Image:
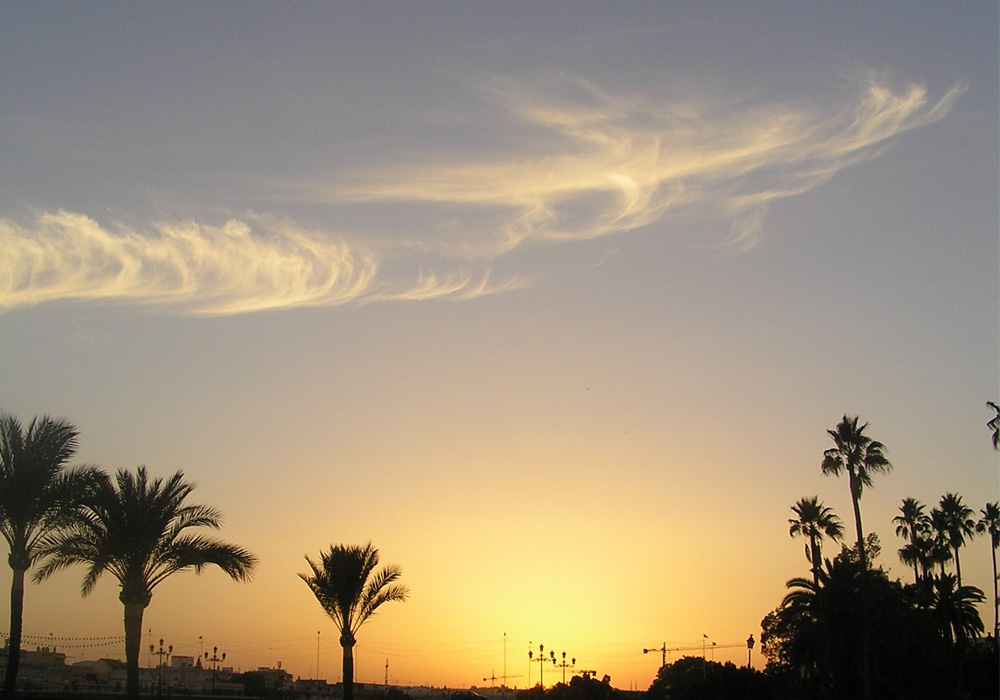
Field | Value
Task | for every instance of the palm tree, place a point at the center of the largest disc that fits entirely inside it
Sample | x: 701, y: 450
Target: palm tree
x: 828, y: 620
x: 955, y: 608
x: 994, y: 424
x: 861, y: 457
x: 137, y: 530
x: 813, y: 521
x: 36, y: 494
x: 349, y: 589
x: 990, y: 522
x: 958, y: 524
x: 912, y: 524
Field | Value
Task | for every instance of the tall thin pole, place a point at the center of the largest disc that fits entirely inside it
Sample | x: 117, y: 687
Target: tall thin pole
x: 503, y: 687
x: 317, y: 654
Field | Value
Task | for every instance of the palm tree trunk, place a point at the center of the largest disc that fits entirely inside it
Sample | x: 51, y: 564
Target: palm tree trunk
x: 859, y: 531
x: 996, y: 601
x: 16, y: 622
x: 855, y: 483
x: 815, y: 556
x: 958, y: 568
x: 133, y: 639
x: 348, y: 668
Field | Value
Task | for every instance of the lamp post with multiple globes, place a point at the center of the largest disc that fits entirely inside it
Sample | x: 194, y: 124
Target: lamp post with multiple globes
x: 161, y: 653
x: 215, y: 659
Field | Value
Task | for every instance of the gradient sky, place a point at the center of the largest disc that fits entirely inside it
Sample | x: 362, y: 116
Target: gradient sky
x: 552, y: 302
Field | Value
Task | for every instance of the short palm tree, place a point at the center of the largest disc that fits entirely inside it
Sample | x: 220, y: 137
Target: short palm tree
x: 137, y: 530
x: 350, y: 590
x: 958, y: 524
x: 861, y: 457
x: 912, y: 524
x: 955, y: 608
x: 994, y: 423
x: 814, y: 520
x: 37, y: 493
x: 990, y: 523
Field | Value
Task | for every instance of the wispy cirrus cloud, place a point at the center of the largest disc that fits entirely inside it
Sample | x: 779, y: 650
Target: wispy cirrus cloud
x: 574, y: 162
x: 597, y: 164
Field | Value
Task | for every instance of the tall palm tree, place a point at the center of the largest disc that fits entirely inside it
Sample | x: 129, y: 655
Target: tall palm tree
x: 861, y: 457
x: 911, y: 524
x: 349, y: 589
x: 990, y: 523
x: 36, y: 494
x: 940, y: 551
x: 814, y: 520
x: 138, y: 531
x: 994, y: 424
x: 958, y: 524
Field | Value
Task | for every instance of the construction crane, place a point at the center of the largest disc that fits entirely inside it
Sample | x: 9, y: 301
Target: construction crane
x: 493, y: 677
x: 665, y: 650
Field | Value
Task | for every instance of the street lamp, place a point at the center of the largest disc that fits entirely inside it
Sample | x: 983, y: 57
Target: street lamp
x: 160, y: 653
x: 749, y: 649
x: 215, y: 659
x: 564, y: 665
x: 541, y: 662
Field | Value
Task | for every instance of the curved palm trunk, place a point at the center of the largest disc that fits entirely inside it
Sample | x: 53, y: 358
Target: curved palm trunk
x: 16, y: 626
x: 133, y: 639
x: 348, y: 667
x: 958, y: 568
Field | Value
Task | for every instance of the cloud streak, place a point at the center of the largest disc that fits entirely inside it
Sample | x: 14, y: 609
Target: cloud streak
x: 602, y: 164
x: 194, y: 268
x: 575, y: 163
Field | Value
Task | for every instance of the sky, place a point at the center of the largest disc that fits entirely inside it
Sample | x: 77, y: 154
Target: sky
x: 553, y: 303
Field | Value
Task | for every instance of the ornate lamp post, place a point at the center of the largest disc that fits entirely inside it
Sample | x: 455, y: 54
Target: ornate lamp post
x: 564, y: 665
x: 215, y: 659
x: 749, y: 649
x: 541, y: 659
x: 161, y: 653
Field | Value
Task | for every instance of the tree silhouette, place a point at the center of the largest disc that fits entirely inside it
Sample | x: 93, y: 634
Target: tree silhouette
x: 861, y: 457
x: 814, y: 520
x: 958, y: 524
x: 990, y: 523
x: 994, y: 424
x: 37, y: 493
x: 912, y: 524
x: 138, y: 531
x: 349, y: 589
x: 954, y: 606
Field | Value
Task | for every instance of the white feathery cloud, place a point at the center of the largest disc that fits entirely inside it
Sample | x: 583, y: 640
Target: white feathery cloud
x: 578, y: 167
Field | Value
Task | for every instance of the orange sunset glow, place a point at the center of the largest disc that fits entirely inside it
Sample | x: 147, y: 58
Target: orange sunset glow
x: 552, y: 303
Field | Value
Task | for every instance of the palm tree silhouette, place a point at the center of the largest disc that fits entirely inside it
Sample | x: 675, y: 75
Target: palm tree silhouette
x: 912, y: 524
x: 990, y: 523
x: 349, y: 589
x: 137, y: 530
x: 37, y: 493
x: 861, y: 457
x: 958, y: 526
x: 814, y: 521
x: 954, y: 606
x: 994, y: 424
